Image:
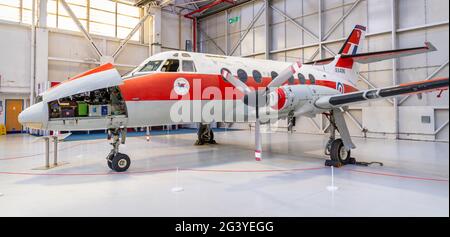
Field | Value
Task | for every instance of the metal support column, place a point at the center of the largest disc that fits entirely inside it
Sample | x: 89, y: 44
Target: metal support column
x: 156, y: 26
x: 320, y: 30
x: 394, y: 65
x: 267, y: 29
x: 33, y: 53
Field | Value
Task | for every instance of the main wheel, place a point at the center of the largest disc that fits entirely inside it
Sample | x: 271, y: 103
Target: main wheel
x: 205, y: 136
x: 339, y: 153
x: 120, y: 162
x: 109, y: 162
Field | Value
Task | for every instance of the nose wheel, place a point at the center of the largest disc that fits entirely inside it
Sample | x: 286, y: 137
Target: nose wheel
x: 116, y: 161
x: 119, y: 162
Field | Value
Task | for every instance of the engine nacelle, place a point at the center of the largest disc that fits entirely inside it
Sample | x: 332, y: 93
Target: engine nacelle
x: 298, y: 99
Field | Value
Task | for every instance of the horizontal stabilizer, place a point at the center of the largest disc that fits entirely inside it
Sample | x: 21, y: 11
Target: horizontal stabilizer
x: 373, y: 57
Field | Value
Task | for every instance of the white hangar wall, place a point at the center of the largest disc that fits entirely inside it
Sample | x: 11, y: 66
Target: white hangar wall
x: 64, y: 54
x: 299, y: 30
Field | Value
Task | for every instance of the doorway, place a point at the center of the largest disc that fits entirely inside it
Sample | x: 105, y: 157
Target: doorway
x: 13, y: 109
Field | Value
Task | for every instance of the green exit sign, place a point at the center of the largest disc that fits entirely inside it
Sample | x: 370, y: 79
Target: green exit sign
x: 233, y: 20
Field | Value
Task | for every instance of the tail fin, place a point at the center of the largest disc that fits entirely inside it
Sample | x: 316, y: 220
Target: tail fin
x: 354, y: 43
x: 344, y: 68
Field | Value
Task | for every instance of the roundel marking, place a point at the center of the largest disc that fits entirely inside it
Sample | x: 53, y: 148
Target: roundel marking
x: 181, y: 86
x: 340, y: 87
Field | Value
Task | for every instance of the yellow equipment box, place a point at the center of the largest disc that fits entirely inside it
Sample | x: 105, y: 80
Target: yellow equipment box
x: 2, y: 130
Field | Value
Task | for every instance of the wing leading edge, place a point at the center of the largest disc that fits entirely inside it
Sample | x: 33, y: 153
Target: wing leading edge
x: 335, y: 101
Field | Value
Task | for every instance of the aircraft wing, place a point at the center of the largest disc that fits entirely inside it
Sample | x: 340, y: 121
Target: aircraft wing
x: 335, y: 101
x: 366, y: 58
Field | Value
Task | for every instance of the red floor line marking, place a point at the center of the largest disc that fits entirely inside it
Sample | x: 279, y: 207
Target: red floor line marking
x: 397, y: 175
x: 254, y: 171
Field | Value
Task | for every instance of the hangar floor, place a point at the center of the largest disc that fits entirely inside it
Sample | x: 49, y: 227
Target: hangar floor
x: 224, y: 180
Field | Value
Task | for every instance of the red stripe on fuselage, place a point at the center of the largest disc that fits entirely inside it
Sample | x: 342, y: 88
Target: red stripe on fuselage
x: 159, y: 87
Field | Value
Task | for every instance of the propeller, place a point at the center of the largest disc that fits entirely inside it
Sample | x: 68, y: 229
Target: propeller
x: 258, y: 98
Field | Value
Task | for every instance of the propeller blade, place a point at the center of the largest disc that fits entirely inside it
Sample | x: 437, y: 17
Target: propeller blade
x: 258, y: 147
x: 285, y: 75
x: 260, y: 96
x: 241, y: 86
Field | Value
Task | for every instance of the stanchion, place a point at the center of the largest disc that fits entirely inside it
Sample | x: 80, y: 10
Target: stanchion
x: 177, y: 188
x: 55, y: 139
x: 332, y: 188
x: 55, y: 151
x: 147, y: 133
x: 47, y: 152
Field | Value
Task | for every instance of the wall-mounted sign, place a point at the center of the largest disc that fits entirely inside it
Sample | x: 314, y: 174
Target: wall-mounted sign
x: 234, y: 20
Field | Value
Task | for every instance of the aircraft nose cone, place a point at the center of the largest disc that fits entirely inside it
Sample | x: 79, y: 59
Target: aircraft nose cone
x: 34, y: 116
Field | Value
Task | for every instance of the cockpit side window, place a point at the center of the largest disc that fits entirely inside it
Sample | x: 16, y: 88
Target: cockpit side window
x: 151, y: 66
x: 188, y: 66
x: 171, y: 65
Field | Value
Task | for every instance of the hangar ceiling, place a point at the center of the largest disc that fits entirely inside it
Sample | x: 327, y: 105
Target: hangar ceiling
x: 211, y: 6
x: 288, y: 30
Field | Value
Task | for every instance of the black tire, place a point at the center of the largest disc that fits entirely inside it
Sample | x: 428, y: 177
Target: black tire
x: 108, y: 161
x: 211, y: 138
x: 120, y: 162
x: 204, y: 136
x: 339, y: 153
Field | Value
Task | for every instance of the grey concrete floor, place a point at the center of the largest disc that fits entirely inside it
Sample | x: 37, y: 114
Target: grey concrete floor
x: 224, y: 179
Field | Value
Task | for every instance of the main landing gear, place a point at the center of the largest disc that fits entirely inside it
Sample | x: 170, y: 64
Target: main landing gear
x: 117, y: 161
x: 205, y: 135
x: 339, y: 150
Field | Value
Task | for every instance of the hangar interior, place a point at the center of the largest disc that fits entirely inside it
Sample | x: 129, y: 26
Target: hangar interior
x: 45, y: 42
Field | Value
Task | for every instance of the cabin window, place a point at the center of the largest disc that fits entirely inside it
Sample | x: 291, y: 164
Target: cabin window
x: 291, y: 80
x: 274, y: 75
x: 257, y: 76
x: 242, y: 75
x: 229, y: 72
x: 171, y: 65
x: 188, y: 66
x: 302, y: 79
x: 312, y: 79
x: 151, y: 66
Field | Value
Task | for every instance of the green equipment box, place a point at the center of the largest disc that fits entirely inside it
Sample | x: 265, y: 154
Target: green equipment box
x: 82, y: 109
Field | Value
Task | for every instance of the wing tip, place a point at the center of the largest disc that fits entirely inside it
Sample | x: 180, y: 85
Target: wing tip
x: 430, y: 46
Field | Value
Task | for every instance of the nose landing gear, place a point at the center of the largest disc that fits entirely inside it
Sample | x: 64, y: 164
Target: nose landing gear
x: 117, y: 161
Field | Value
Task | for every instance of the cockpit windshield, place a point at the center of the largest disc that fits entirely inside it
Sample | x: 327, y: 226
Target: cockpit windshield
x: 171, y: 65
x: 151, y: 66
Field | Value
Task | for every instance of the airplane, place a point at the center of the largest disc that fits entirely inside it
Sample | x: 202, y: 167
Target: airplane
x: 179, y: 87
